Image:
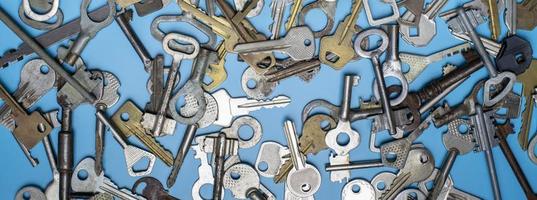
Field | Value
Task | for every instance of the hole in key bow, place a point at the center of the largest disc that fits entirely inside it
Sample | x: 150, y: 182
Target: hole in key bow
x: 262, y: 166
x: 141, y: 165
x: 356, y: 188
x: 82, y: 174
x: 125, y: 116
x: 44, y: 69
x: 305, y: 187
x: 235, y: 175
x: 343, y: 139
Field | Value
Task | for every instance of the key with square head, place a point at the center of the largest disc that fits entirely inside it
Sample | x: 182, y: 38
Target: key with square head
x: 270, y: 159
x: 30, y: 128
x: 298, y: 44
x: 304, y: 179
x: 457, y: 143
x: 96, y: 183
x: 340, y: 43
x: 384, y: 20
x: 230, y: 107
x: 88, y: 29
x: 426, y: 26
x: 132, y: 154
x: 418, y: 166
x: 127, y: 119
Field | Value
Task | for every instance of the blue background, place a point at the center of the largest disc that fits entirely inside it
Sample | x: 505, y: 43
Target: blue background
x: 111, y: 51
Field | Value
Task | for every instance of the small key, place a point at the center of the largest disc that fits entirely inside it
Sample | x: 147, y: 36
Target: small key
x: 29, y: 129
x: 230, y: 107
x: 419, y: 166
x: 132, y: 154
x: 94, y: 183
x: 457, y: 143
x: 153, y: 189
x: 127, y: 119
x: 88, y: 29
x: 303, y: 180
x: 298, y: 44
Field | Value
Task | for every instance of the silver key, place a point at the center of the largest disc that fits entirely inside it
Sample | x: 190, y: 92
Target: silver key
x: 419, y: 166
x: 132, y: 154
x: 395, y: 153
x: 298, y: 44
x: 53, y: 188
x: 365, y: 190
x: 41, y: 17
x: 457, y: 143
x: 88, y: 29
x: 448, y: 190
x: 511, y: 15
x: 304, y: 179
x: 278, y: 8
x: 426, y: 27
x: 230, y: 107
x: 329, y: 9
x: 384, y: 20
x: 205, y: 172
x: 30, y: 193
x: 97, y: 183
x: 243, y: 181
x: 382, y: 182
x: 239, y: 5
x: 270, y: 158
x: 410, y: 194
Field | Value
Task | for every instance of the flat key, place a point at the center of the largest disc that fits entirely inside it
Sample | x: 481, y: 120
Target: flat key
x: 127, y: 119
x: 230, y: 107
x: 278, y: 8
x: 153, y: 189
x: 298, y: 44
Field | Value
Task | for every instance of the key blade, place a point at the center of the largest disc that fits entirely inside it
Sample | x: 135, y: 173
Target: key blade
x: 243, y: 106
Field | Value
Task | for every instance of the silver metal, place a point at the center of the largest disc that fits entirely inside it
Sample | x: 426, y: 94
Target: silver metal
x: 239, y: 5
x: 426, y: 26
x: 374, y: 55
x: 400, y: 148
x: 278, y: 8
x: 34, y: 193
x: 495, y: 78
x: 158, y: 34
x: 411, y: 194
x: 365, y: 190
x: 219, y: 158
x: 97, y: 183
x: 88, y: 29
x: 483, y: 125
x: 230, y: 107
x: 298, y: 44
x: 382, y: 182
x: 211, y: 111
x: 531, y: 149
x: 384, y: 20
x: 41, y: 25
x: 53, y: 188
x: 132, y: 154
x: 393, y: 66
x: 41, y: 17
x: 304, y: 179
x: 239, y: 178
x: 511, y: 15
x: 186, y: 141
x: 329, y: 9
x: 205, y: 172
x: 271, y: 155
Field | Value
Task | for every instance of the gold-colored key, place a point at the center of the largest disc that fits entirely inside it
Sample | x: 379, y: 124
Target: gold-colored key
x: 494, y: 24
x: 529, y: 82
x: 127, y: 119
x: 217, y: 71
x: 340, y: 44
x: 295, y: 10
x: 311, y: 141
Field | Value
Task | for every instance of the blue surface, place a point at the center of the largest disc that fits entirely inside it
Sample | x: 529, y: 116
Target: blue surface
x: 110, y: 51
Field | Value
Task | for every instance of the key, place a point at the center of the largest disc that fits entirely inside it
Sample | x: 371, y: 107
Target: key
x: 366, y: 191
x: 494, y: 23
x: 298, y: 44
x: 395, y: 153
x: 304, y: 179
x: 297, y: 5
x: 278, y: 8
x: 220, y: 146
x: 418, y: 63
x: 457, y: 143
x: 526, y: 15
x: 312, y: 141
x: 88, y: 29
x: 382, y: 182
x: 148, y: 6
x: 383, y: 20
x: 484, y: 131
x: 55, y: 4
x: 419, y: 166
x: 503, y: 132
x: 97, y: 183
x: 270, y: 158
x: 132, y: 154
x: 153, y: 189
x: 239, y: 5
x: 31, y: 193
x: 511, y: 16
x: 123, y: 20
x: 193, y: 88
x: 267, y: 82
x: 340, y: 43
x: 495, y: 77
x: 29, y: 128
x: 244, y: 183
x: 415, y: 10
x: 442, y: 116
x: 527, y: 79
x: 374, y: 55
x: 426, y: 28
x: 341, y: 152
x: 410, y: 193
x: 448, y: 190
x: 205, y: 172
x: 329, y: 9
x: 230, y: 107
x: 173, y: 72
x: 50, y: 37
x: 37, y: 20
x: 127, y: 119
x: 392, y: 67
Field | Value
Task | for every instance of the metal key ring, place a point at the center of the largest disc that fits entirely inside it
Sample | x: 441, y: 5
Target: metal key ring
x: 372, y: 52
x: 233, y: 131
x: 41, y: 25
x: 158, y: 34
x: 40, y: 17
x: 90, y: 27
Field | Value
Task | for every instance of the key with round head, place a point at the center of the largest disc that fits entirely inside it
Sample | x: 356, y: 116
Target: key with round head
x: 230, y: 107
x: 243, y: 181
x: 365, y: 190
x: 304, y: 179
x: 418, y: 166
x: 30, y: 193
x: 458, y: 141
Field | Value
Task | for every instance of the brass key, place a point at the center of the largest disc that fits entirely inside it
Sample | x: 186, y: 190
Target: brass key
x: 29, y: 129
x: 340, y: 44
x: 295, y: 10
x: 127, y: 120
x: 217, y: 71
x: 528, y: 84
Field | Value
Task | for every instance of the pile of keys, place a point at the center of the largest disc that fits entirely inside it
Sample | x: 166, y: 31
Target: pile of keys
x: 479, y: 124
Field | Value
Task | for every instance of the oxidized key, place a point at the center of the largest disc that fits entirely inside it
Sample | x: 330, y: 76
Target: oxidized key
x: 153, y: 189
